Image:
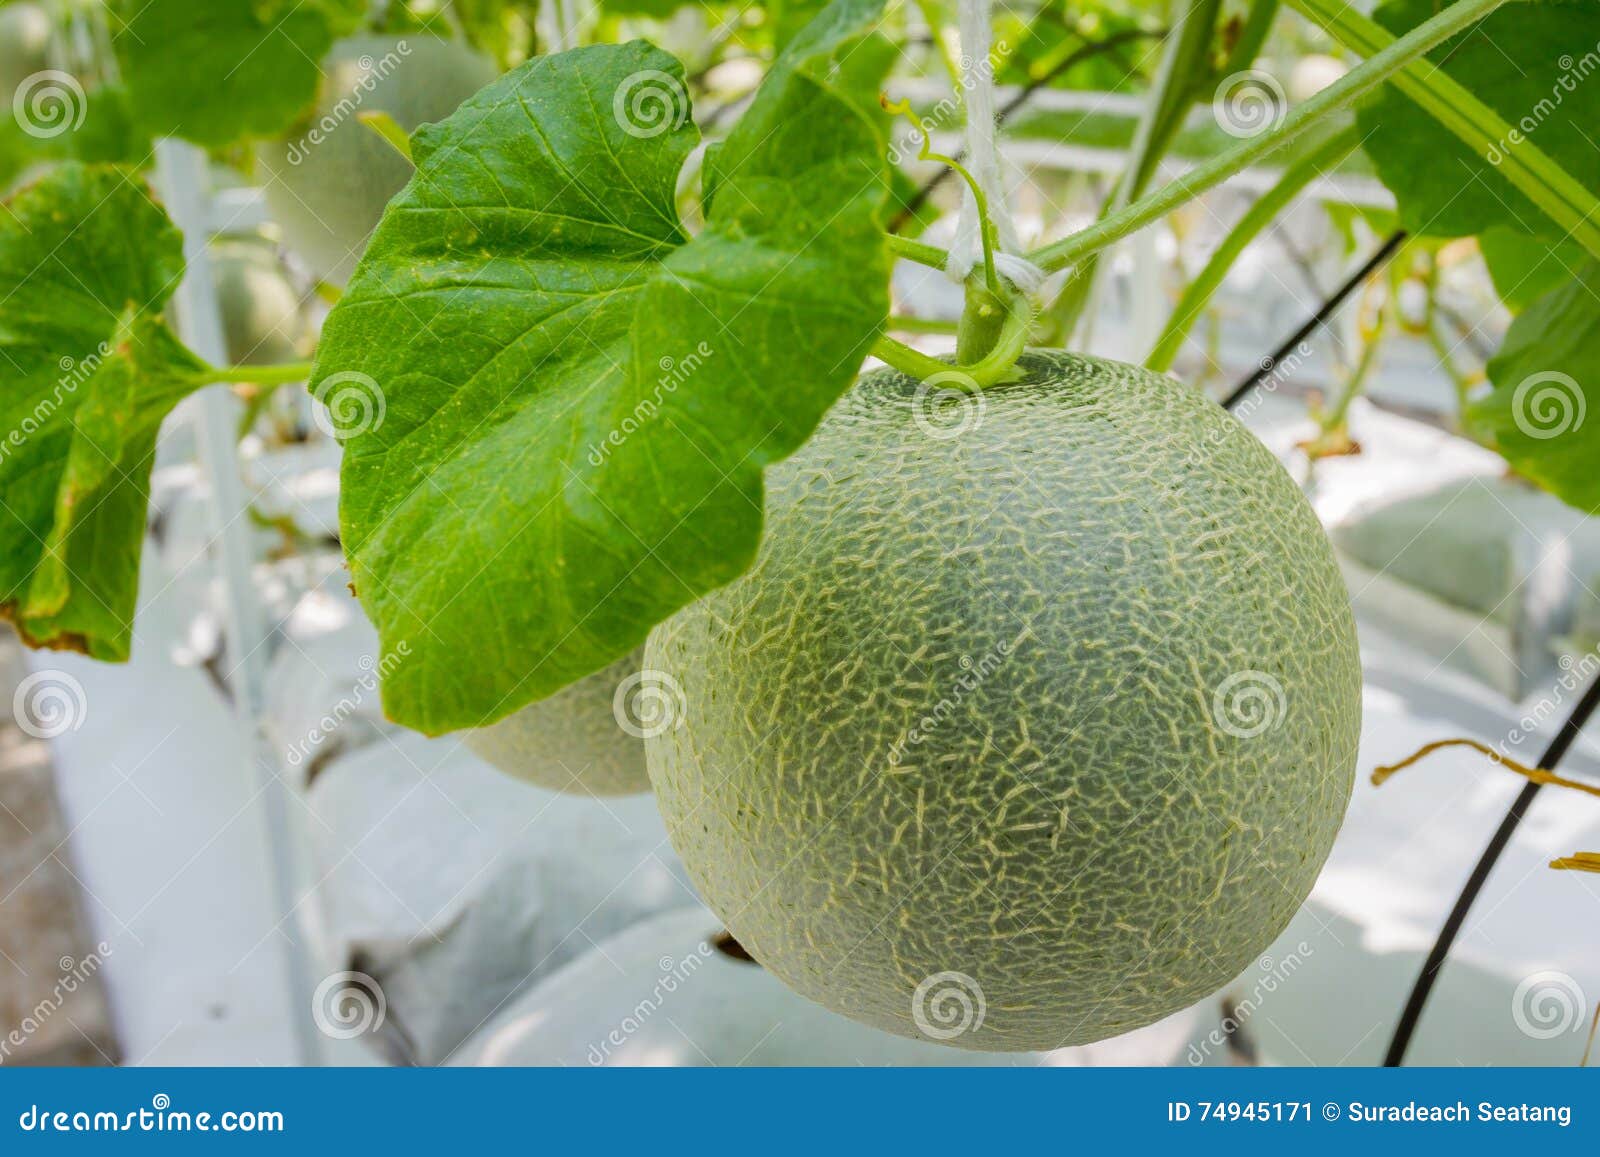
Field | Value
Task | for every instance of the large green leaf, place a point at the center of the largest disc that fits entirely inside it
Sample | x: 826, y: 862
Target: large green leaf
x: 577, y: 400
x: 1525, y: 268
x: 1544, y: 412
x: 213, y: 71
x: 1527, y: 62
x: 88, y: 371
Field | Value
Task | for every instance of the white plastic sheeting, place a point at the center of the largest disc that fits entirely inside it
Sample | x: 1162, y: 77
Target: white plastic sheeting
x: 454, y: 886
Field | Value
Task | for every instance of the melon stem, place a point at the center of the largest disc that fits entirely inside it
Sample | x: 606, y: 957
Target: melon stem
x: 993, y: 368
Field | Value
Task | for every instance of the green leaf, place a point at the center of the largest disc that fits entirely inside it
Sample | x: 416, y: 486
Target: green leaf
x: 105, y: 134
x: 654, y: 9
x: 88, y: 370
x: 1525, y: 268
x: 215, y: 71
x: 790, y: 17
x: 577, y: 399
x: 1525, y: 61
x: 1543, y: 415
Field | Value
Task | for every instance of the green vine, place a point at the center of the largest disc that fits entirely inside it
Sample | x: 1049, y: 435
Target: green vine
x: 1262, y: 213
x: 1337, y: 97
x: 1534, y: 173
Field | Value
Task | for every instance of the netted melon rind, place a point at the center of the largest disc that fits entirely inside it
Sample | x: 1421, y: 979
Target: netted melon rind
x: 983, y: 710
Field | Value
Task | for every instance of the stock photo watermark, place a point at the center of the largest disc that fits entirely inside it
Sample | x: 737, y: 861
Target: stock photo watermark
x: 48, y: 104
x: 974, y: 673
x: 1248, y: 704
x: 373, y: 72
x: 649, y: 103
x: 948, y: 109
x: 1274, y: 973
x: 674, y: 373
x: 1574, y: 71
x: 1549, y: 1004
x: 74, y: 974
x: 48, y: 704
x: 673, y: 975
x: 948, y: 404
x: 1547, y: 405
x: 648, y: 704
x: 74, y: 373
x: 374, y: 672
x: 347, y: 1005
x: 947, y: 1005
x: 1249, y: 103
x: 348, y: 404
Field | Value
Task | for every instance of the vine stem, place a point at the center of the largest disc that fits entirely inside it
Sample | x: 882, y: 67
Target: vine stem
x: 1183, y: 61
x: 280, y: 375
x: 1553, y: 754
x: 905, y: 324
x: 1337, y: 97
x: 930, y: 255
x: 1258, y: 217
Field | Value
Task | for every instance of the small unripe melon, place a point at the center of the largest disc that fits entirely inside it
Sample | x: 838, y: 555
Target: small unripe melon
x: 1035, y: 718
x: 586, y: 738
x: 261, y: 315
x: 329, y: 179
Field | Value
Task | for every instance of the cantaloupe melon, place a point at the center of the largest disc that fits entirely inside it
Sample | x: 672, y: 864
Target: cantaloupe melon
x: 329, y: 179
x: 586, y: 738
x: 1023, y: 731
x: 261, y: 312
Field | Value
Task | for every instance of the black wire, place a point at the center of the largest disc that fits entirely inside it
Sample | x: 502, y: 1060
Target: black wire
x: 1552, y: 756
x: 1406, y: 1027
x: 1317, y: 320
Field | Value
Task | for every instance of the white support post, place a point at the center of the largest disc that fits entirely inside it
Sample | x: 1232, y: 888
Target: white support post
x: 184, y: 179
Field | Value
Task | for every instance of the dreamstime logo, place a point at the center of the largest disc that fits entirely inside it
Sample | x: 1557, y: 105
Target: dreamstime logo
x: 49, y: 703
x: 1548, y: 1004
x: 949, y: 108
x: 1548, y: 405
x: 948, y: 1004
x: 649, y: 103
x: 1576, y: 674
x: 648, y: 704
x: 372, y: 72
x: 49, y: 103
x: 350, y: 403
x: 674, y: 372
x: 674, y: 974
x: 1249, y: 103
x: 947, y: 405
x: 373, y: 673
x: 1249, y: 703
x: 75, y: 973
x: 74, y: 373
x: 1275, y: 973
x: 1573, y: 73
x: 974, y: 673
x: 1273, y: 372
x: 347, y: 1005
